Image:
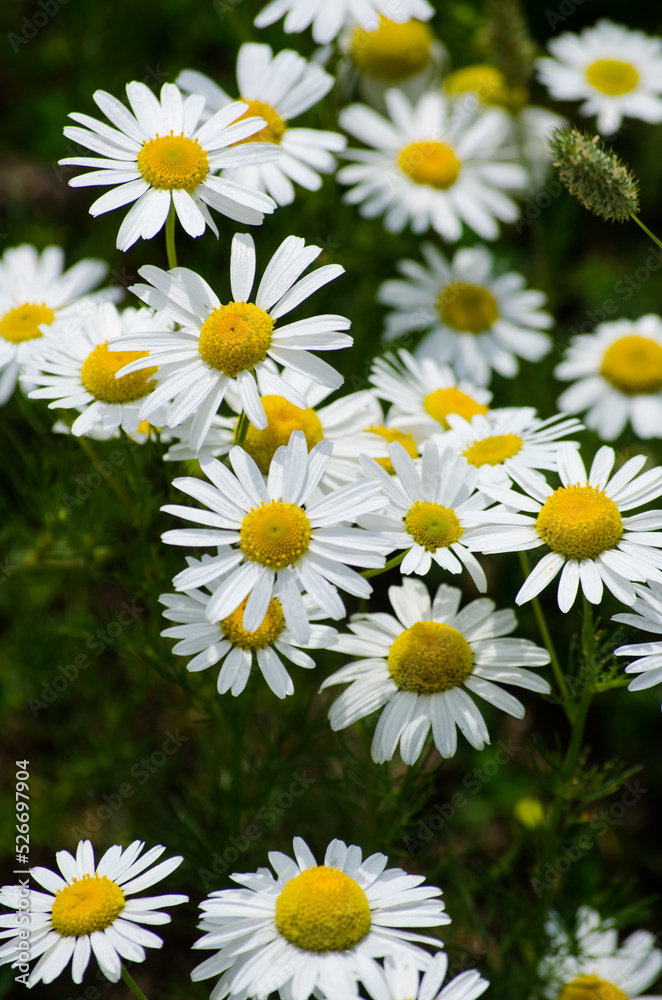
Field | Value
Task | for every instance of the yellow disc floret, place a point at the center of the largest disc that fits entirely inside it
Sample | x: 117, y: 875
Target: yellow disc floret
x: 171, y: 162
x: 441, y: 402
x: 429, y: 162
x: 633, y: 365
x: 430, y: 657
x: 235, y: 337
x: 99, y: 370
x: 489, y: 84
x: 271, y: 627
x: 89, y: 904
x: 23, y: 322
x: 275, y: 534
x: 432, y: 526
x: 493, y: 450
x: 612, y: 76
x: 392, y: 52
x: 590, y: 988
x: 391, y: 434
x: 273, y: 131
x: 323, y: 909
x: 283, y: 417
x: 467, y: 308
x: 579, y: 522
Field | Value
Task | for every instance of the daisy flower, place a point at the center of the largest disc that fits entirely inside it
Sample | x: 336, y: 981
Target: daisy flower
x: 85, y: 910
x: 276, y: 533
x: 431, y: 166
x: 277, y: 89
x: 420, y: 666
x: 34, y: 292
x: 617, y: 377
x: 613, y: 70
x: 648, y: 617
x: 427, y: 510
x: 158, y: 157
x: 475, y: 320
x: 228, y: 643
x: 314, y: 924
x: 399, y: 980
x: 424, y: 393
x: 328, y: 19
x: 581, y: 522
x: 222, y: 345
x: 513, y: 438
x: 593, y: 965
x: 76, y: 369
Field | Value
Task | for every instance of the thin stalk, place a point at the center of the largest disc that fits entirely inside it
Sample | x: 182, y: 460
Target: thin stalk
x: 395, y: 561
x: 170, y: 236
x: 241, y: 430
x: 132, y: 984
x: 110, y: 478
x: 645, y: 229
x: 547, y: 638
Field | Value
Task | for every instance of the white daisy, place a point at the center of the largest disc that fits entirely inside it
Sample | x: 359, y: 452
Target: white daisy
x: 648, y: 617
x: 505, y: 439
x: 158, y: 157
x: 314, y: 924
x: 581, y: 522
x: 592, y: 964
x: 399, y: 980
x: 427, y: 510
x: 617, y: 377
x: 76, y: 369
x: 276, y: 533
x: 613, y: 70
x: 475, y: 320
x: 87, y: 911
x: 277, y: 89
x: 219, y: 345
x: 420, y: 666
x: 34, y: 292
x: 424, y: 393
x: 431, y: 166
x: 328, y: 19
x: 228, y: 643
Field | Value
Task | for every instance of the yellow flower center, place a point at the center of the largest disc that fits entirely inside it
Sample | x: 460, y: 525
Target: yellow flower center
x: 441, y: 402
x: 580, y: 522
x: 23, y: 322
x: 268, y: 632
x: 236, y: 337
x: 390, y: 434
x: 633, y: 365
x: 612, y: 76
x: 493, y: 450
x: 467, y: 308
x: 393, y: 52
x: 90, y: 904
x: 275, y: 534
x: 273, y: 131
x: 489, y: 84
x: 430, y: 162
x: 283, y: 417
x: 432, y: 526
x: 99, y: 370
x: 173, y: 161
x: 430, y: 657
x: 323, y: 909
x: 590, y: 988
x: 530, y: 812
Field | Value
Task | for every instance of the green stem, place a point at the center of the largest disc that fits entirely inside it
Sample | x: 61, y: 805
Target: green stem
x: 395, y: 561
x: 132, y: 984
x: 241, y: 430
x: 170, y: 237
x: 546, y: 637
x: 110, y: 478
x: 645, y: 229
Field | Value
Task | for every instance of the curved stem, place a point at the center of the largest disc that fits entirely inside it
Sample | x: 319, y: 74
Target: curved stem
x: 395, y: 561
x: 546, y: 637
x: 170, y: 236
x: 645, y: 229
x: 241, y: 430
x: 132, y: 984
